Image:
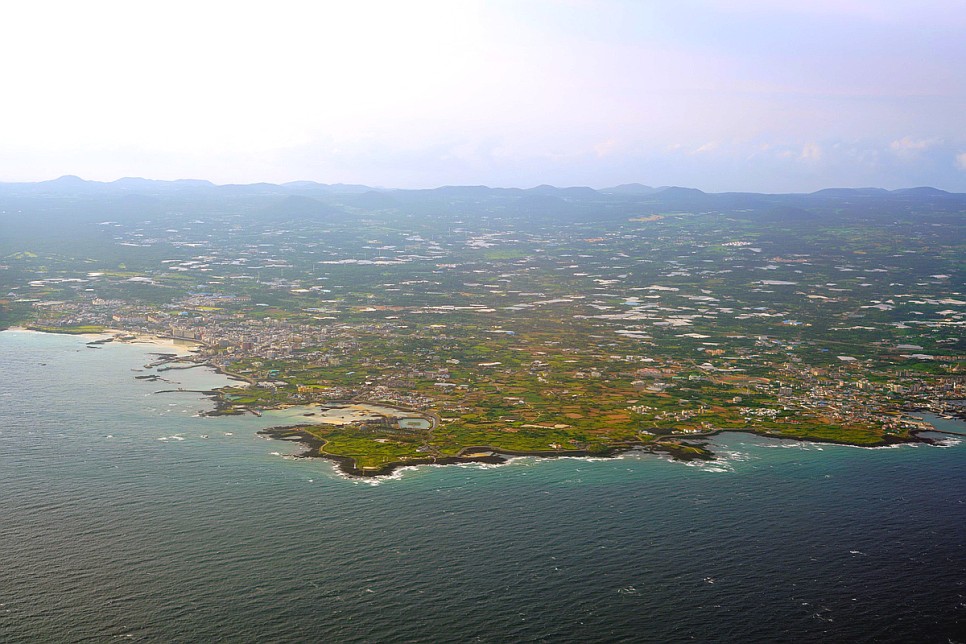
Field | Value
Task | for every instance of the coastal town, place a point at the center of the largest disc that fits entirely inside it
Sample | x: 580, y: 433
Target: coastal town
x: 580, y: 335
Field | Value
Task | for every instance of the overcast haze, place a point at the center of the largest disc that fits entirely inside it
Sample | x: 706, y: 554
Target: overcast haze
x: 790, y: 95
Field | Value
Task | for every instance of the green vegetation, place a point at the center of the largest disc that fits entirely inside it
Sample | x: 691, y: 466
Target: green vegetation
x: 79, y: 329
x: 367, y: 452
x: 591, y: 324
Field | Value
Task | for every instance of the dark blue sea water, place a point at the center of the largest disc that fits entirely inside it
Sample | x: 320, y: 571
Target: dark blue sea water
x: 124, y: 515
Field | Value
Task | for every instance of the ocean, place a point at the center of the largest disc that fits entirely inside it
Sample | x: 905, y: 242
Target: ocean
x: 126, y: 516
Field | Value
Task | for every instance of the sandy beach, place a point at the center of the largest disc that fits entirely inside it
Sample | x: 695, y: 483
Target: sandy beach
x: 167, y: 345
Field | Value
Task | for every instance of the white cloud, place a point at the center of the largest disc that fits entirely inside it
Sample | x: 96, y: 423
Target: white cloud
x: 811, y: 152
x: 710, y: 146
x: 606, y: 148
x: 910, y: 147
x: 441, y: 91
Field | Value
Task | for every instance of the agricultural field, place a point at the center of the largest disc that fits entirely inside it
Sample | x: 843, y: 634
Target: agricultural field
x: 550, y: 320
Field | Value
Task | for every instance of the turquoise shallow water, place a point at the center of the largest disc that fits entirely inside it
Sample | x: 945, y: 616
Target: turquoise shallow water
x: 124, y: 515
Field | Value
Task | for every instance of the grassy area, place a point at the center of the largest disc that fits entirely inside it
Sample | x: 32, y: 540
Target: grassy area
x: 852, y: 435
x: 69, y: 330
x: 366, y: 451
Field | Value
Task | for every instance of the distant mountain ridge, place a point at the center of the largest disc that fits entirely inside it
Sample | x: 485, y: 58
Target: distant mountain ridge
x: 73, y: 183
x: 132, y: 197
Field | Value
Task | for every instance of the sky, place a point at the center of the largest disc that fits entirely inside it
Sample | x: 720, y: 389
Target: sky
x: 721, y: 95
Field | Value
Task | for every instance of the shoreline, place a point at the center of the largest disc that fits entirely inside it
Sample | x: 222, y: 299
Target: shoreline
x: 346, y: 465
x: 171, y: 350
x: 676, y: 446
x: 182, y: 348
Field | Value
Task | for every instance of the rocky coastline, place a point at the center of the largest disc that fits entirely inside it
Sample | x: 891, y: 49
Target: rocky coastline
x: 674, y: 447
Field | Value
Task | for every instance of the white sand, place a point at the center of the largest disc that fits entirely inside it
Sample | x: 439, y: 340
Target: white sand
x: 169, y: 345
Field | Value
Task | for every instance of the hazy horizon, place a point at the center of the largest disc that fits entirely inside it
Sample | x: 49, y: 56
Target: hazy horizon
x: 719, y: 95
x: 601, y: 187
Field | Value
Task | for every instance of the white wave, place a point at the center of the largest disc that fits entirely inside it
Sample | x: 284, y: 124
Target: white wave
x: 519, y: 460
x: 475, y: 466
x: 379, y: 480
x: 735, y: 456
x: 948, y: 442
x: 399, y: 472
x: 777, y: 442
x: 715, y: 465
